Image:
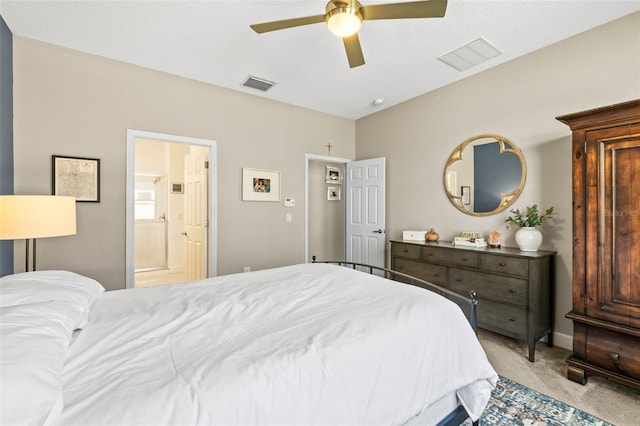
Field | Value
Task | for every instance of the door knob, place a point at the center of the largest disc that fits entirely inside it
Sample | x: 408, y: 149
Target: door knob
x: 184, y: 233
x: 378, y: 231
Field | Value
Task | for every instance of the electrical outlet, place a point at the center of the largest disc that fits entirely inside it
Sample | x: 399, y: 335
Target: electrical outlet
x: 288, y: 217
x: 247, y: 269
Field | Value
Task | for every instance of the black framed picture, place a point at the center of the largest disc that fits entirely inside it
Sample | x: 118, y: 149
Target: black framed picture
x: 76, y: 177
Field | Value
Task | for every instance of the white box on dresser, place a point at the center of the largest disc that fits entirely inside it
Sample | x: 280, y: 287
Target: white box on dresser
x: 414, y: 235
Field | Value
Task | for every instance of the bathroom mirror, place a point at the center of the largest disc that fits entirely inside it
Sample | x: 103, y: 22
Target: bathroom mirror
x: 484, y: 175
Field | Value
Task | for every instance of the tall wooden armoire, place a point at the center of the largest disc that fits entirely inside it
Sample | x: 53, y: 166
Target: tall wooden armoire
x: 606, y: 244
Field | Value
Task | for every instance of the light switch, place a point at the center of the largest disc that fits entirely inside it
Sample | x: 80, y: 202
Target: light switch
x: 289, y: 202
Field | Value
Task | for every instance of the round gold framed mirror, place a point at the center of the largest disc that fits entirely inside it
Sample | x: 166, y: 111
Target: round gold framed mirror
x: 484, y: 175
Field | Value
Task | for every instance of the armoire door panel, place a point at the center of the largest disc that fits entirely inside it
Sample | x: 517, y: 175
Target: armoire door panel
x: 626, y: 226
x: 613, y: 231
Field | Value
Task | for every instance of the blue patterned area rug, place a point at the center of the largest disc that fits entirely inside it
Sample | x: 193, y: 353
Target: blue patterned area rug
x: 514, y: 404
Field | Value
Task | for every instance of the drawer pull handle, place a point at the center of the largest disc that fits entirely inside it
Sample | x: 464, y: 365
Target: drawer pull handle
x: 465, y: 259
x: 429, y: 254
x: 615, y: 359
x: 503, y: 264
x: 436, y: 275
x: 512, y: 319
x: 512, y: 290
x: 458, y: 279
x: 405, y: 251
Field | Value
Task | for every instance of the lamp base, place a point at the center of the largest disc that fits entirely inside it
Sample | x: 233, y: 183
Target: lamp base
x: 27, y: 255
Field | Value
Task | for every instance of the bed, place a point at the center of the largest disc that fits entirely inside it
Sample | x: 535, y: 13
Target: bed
x: 297, y: 345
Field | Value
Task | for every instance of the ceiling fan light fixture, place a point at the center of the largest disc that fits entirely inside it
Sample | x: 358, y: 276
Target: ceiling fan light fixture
x: 344, y: 21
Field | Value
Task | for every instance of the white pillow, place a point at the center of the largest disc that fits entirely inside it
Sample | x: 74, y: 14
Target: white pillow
x: 44, y: 286
x: 35, y: 338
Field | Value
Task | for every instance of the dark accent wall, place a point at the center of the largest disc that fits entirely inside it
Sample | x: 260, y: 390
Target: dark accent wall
x: 494, y: 173
x: 6, y: 134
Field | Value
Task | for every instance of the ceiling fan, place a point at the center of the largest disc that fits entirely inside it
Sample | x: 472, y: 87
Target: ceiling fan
x: 344, y: 18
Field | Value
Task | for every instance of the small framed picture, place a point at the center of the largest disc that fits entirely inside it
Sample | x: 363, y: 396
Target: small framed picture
x: 76, y: 177
x: 333, y: 175
x: 260, y: 185
x: 177, y: 188
x: 465, y: 192
x: 333, y: 193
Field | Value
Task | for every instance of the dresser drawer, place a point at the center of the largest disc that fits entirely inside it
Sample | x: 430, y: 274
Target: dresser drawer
x: 465, y: 258
x: 435, y: 274
x: 614, y: 351
x: 405, y: 250
x: 505, y: 265
x: 495, y: 287
x: 502, y: 318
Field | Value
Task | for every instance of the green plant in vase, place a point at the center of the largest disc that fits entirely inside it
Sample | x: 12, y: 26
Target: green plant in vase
x: 528, y: 237
x: 530, y: 218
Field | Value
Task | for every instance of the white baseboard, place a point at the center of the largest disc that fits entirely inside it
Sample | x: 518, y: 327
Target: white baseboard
x: 562, y: 340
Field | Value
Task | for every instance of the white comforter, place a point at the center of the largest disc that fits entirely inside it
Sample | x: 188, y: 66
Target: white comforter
x: 305, y: 344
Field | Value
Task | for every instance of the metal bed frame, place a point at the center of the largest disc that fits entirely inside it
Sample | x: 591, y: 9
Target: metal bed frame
x: 467, y: 304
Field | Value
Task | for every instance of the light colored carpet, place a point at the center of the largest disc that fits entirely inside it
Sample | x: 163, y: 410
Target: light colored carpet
x: 548, y: 374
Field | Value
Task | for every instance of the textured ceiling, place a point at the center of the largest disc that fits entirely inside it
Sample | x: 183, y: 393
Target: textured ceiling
x: 211, y: 41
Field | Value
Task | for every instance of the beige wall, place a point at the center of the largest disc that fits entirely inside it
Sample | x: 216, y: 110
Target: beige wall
x: 518, y: 100
x: 70, y: 103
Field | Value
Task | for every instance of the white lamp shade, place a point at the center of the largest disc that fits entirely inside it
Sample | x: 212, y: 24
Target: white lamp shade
x: 36, y: 216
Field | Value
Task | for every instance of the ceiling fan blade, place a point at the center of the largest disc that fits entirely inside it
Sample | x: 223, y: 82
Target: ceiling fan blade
x: 354, y: 51
x: 416, y: 9
x: 286, y: 23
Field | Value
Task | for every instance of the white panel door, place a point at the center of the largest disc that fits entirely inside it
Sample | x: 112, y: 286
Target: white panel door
x: 365, y: 230
x: 196, y: 212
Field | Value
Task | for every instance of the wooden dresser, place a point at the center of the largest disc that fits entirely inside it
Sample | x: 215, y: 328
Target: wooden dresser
x: 515, y: 289
x: 606, y: 238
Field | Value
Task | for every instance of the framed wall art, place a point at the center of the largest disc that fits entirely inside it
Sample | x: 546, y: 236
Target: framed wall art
x: 260, y: 185
x: 333, y: 193
x: 333, y: 175
x: 76, y: 177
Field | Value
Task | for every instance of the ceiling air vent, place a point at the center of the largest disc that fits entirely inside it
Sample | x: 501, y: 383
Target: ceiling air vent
x: 471, y: 54
x: 258, y: 83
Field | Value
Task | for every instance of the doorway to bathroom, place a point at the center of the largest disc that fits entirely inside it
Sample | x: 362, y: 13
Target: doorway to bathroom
x: 170, y: 209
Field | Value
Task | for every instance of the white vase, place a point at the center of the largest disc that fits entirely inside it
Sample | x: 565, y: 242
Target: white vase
x: 528, y: 239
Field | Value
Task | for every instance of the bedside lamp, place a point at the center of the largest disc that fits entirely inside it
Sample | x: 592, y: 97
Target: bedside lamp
x: 36, y: 216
